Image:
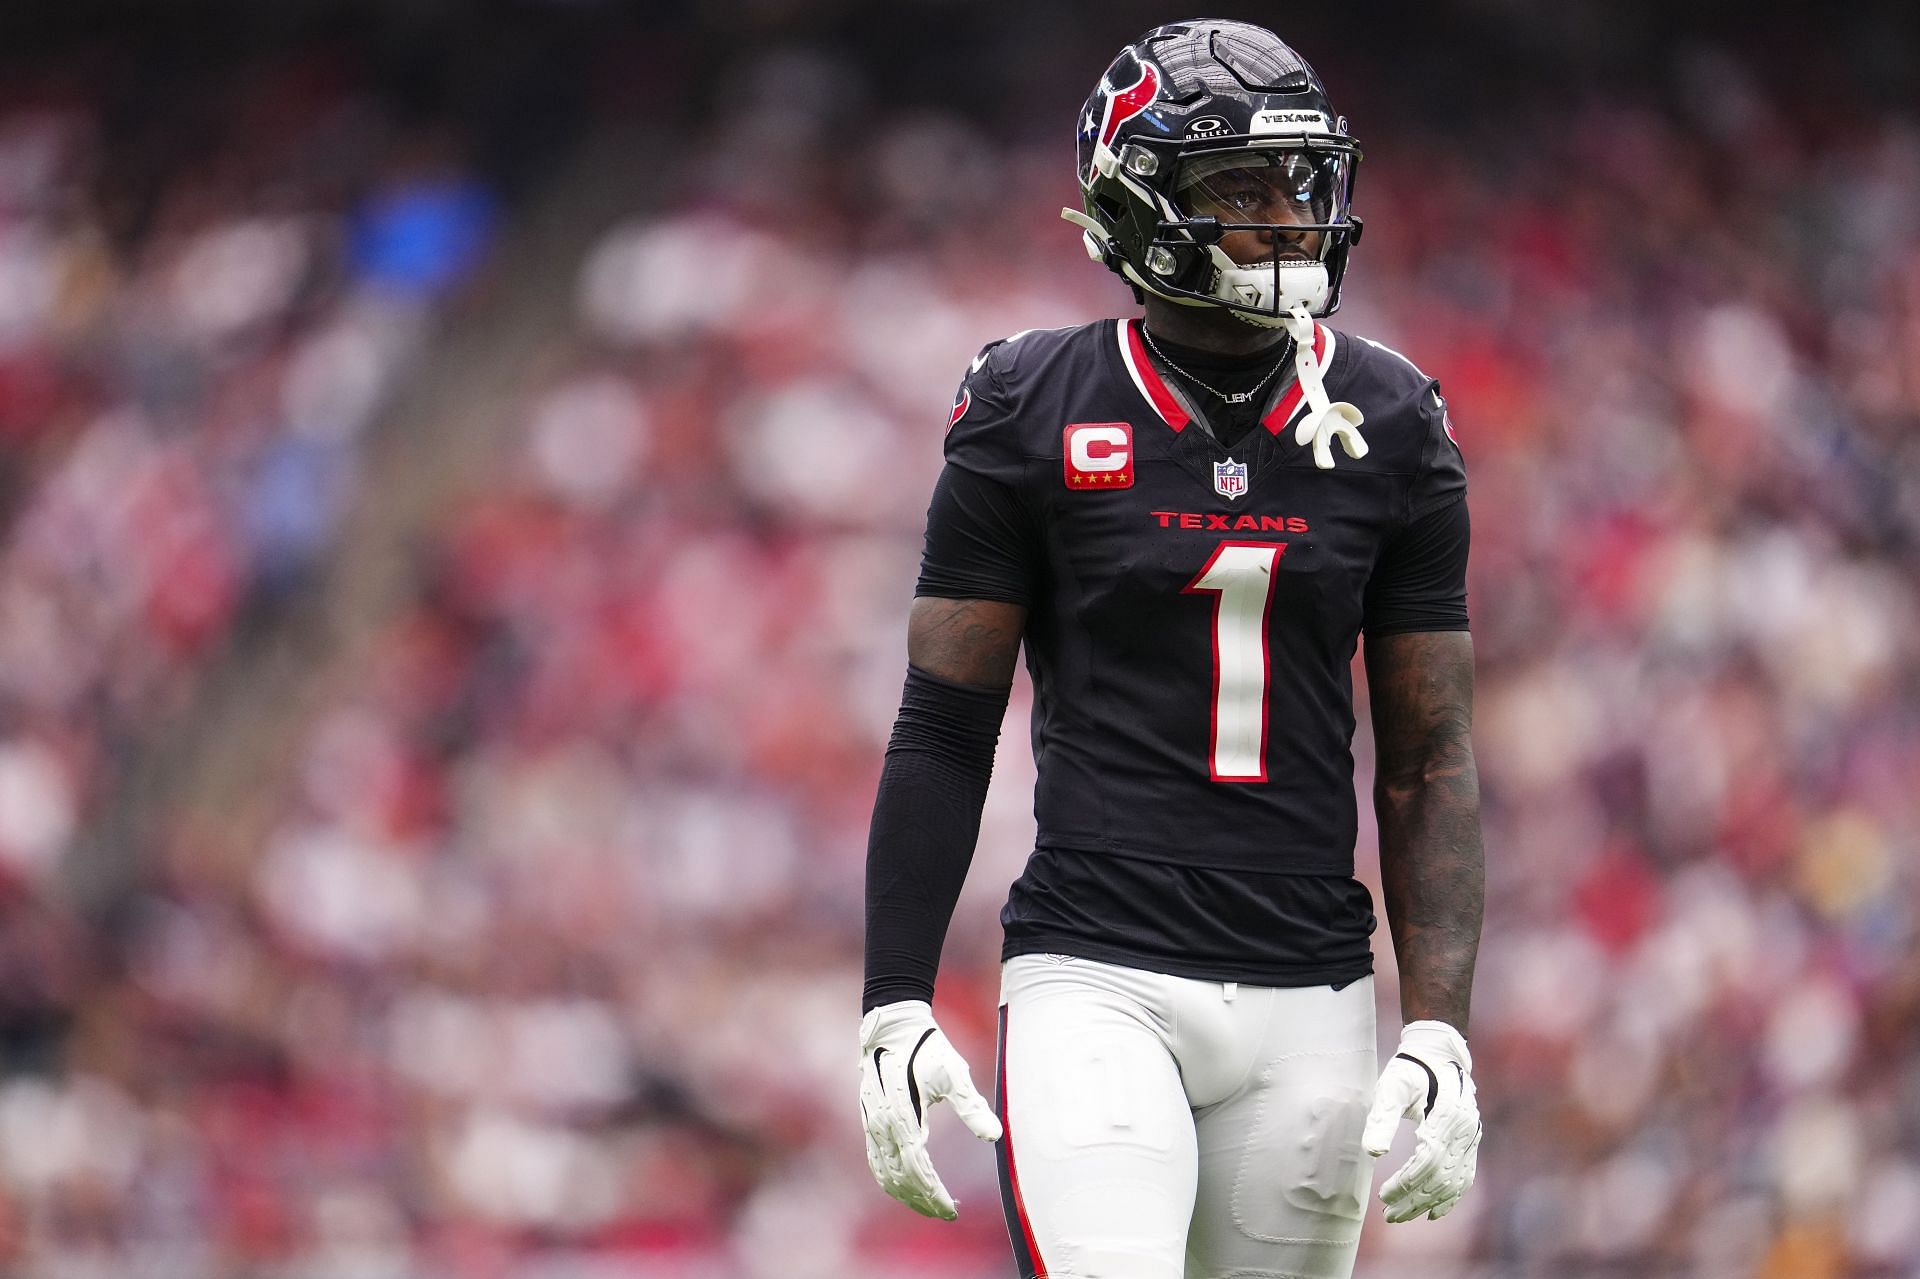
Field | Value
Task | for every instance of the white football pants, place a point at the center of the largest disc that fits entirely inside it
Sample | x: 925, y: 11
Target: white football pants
x: 1165, y: 1128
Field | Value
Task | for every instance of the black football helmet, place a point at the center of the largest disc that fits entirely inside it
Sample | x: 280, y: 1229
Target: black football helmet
x: 1201, y: 129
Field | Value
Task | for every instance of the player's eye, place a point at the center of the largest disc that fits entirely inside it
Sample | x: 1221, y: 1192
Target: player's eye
x: 1297, y: 179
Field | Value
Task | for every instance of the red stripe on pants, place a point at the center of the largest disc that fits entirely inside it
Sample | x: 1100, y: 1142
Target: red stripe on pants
x: 1017, y: 1207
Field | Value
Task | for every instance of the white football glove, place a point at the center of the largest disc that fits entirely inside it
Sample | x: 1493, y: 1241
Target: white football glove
x: 906, y: 1065
x: 1430, y: 1081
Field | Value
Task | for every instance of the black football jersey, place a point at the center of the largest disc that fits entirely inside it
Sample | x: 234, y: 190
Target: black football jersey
x: 1193, y: 611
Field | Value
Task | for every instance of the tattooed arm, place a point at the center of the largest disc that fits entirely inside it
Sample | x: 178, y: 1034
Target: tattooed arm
x: 966, y: 641
x: 1427, y: 797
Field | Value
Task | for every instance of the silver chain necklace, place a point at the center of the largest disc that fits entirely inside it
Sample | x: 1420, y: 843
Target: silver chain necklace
x: 1239, y: 398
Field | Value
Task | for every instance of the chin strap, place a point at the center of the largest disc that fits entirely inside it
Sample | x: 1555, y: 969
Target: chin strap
x: 1095, y: 236
x: 1325, y: 420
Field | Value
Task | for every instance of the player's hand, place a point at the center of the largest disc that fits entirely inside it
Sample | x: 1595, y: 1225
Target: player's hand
x: 906, y: 1065
x: 1430, y: 1081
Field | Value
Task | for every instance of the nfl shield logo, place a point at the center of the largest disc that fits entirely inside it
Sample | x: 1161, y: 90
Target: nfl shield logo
x: 1230, y: 478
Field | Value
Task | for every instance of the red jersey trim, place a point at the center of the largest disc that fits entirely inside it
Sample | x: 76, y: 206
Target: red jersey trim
x: 1133, y: 353
x: 1283, y: 412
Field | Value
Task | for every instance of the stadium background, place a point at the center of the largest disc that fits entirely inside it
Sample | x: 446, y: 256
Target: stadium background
x: 460, y: 471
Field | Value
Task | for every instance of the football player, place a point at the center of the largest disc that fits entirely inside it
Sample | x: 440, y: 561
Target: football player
x: 1190, y: 519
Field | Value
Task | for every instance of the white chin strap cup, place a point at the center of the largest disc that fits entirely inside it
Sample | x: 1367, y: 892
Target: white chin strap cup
x: 1325, y: 420
x: 1268, y: 288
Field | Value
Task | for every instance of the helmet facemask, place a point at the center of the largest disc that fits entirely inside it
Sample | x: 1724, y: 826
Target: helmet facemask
x: 1267, y: 217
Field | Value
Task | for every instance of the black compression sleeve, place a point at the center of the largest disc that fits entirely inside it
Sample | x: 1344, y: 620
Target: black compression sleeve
x: 980, y: 541
x: 1420, y: 583
x: 925, y: 821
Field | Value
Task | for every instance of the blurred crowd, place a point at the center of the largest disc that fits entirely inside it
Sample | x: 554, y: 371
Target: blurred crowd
x: 550, y: 963
x: 189, y: 356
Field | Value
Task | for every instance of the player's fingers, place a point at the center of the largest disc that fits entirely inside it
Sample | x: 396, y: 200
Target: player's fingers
x: 1399, y: 1190
x: 1435, y: 1202
x: 929, y: 1200
x: 873, y: 1122
x: 1409, y: 1210
x: 1454, y: 1177
x: 1418, y: 1199
x: 1470, y: 1165
x: 1415, y: 1176
x: 1447, y: 1139
x: 877, y: 1142
x: 946, y: 1077
x: 885, y: 1158
x: 884, y: 1140
x: 926, y: 1193
x: 1382, y: 1122
x: 1435, y: 1178
x: 1390, y: 1101
x: 974, y: 1111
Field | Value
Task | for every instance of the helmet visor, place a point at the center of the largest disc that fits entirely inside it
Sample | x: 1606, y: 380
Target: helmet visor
x: 1267, y: 186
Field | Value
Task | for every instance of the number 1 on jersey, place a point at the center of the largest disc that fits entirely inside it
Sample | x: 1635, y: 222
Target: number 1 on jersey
x: 1239, y: 576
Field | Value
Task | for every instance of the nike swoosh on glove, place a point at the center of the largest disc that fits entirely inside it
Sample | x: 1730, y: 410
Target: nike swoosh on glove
x: 1430, y: 1081
x: 906, y: 1065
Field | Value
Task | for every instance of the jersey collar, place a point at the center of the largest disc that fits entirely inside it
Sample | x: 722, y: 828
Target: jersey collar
x: 1153, y: 389
x: 1133, y: 354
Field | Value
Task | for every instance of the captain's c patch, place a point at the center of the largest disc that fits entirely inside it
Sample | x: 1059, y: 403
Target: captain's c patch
x: 1098, y: 455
